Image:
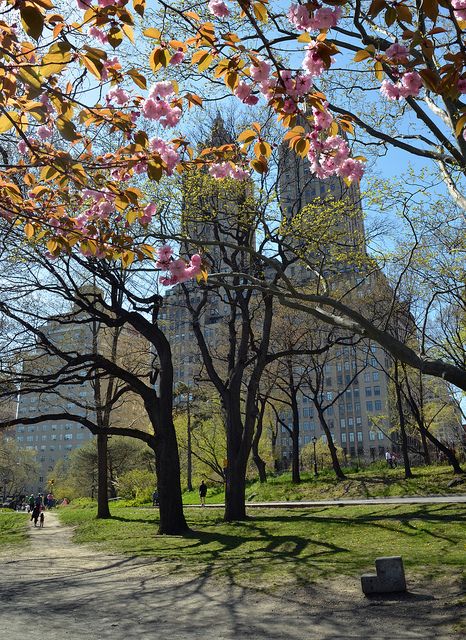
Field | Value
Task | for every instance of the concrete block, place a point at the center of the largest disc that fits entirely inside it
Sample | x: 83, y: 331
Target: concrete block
x: 390, y: 577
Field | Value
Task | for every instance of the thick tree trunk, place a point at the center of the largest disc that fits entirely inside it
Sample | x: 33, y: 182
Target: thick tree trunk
x: 295, y: 473
x: 401, y: 415
x: 103, y: 510
x: 331, y: 447
x: 235, y: 492
x: 167, y: 462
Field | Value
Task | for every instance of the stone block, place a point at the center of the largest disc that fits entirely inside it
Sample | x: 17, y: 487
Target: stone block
x: 390, y: 577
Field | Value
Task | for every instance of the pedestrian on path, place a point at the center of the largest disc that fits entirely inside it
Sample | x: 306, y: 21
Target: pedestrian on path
x: 35, y: 514
x: 203, y: 492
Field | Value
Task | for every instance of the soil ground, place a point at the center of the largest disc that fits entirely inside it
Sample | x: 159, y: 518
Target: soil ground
x: 56, y: 590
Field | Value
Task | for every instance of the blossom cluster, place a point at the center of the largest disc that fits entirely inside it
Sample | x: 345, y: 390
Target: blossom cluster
x: 408, y: 86
x: 227, y: 170
x: 177, y: 269
x: 330, y: 155
x: 323, y: 18
x: 459, y: 9
x: 218, y: 9
x: 157, y: 105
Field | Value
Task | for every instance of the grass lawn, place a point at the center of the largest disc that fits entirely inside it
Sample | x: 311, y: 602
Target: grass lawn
x: 378, y: 481
x: 13, y: 527
x: 276, y: 547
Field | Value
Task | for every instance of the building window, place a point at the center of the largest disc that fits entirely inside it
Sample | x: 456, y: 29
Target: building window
x: 375, y: 376
x: 367, y: 377
x: 358, y: 420
x: 343, y: 438
x: 29, y: 438
x: 68, y: 436
x: 351, y: 436
x: 369, y: 406
x: 371, y: 435
x: 378, y: 405
x: 359, y: 436
x: 350, y: 422
x: 377, y: 391
x: 368, y: 391
x: 342, y: 423
x: 380, y: 435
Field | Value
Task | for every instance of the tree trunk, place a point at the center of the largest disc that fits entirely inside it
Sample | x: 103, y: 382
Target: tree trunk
x: 167, y: 462
x: 189, y: 465
x: 103, y: 510
x: 425, y: 446
x: 447, y: 452
x: 235, y: 492
x: 331, y: 446
x: 295, y: 473
x: 401, y: 415
x: 260, y: 464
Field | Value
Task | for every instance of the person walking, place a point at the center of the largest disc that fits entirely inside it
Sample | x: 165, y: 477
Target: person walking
x: 35, y: 514
x: 31, y: 502
x: 203, y: 492
x: 388, y: 458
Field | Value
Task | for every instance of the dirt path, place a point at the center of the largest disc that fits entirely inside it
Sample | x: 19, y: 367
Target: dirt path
x: 55, y: 590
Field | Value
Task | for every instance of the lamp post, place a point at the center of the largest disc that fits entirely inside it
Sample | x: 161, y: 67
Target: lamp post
x: 314, y: 442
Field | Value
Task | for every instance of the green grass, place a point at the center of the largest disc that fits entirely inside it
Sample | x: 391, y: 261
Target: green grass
x: 375, y: 482
x: 276, y: 547
x: 13, y: 528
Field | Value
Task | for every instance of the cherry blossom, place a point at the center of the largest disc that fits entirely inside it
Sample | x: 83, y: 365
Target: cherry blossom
x: 312, y: 62
x: 98, y: 34
x: 44, y: 132
x: 168, y: 154
x: 462, y: 85
x: 409, y: 86
x: 459, y: 9
x: 397, y: 52
x: 177, y: 57
x: 119, y: 95
x: 323, y: 18
x: 243, y: 92
x: 260, y: 72
x: 148, y: 214
x: 218, y: 8
x: 221, y: 170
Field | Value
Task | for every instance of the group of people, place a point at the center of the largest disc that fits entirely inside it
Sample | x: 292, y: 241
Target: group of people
x: 202, y: 495
x: 37, y: 506
x: 392, y: 460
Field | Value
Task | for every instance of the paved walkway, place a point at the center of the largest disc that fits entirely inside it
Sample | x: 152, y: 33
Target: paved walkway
x: 303, y: 504
x: 55, y: 590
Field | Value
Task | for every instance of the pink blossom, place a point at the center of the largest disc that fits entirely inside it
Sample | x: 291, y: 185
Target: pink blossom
x: 177, y: 57
x: 168, y: 154
x: 44, y: 132
x: 462, y: 85
x: 22, y: 147
x: 289, y: 106
x: 322, y: 119
x: 111, y: 63
x: 221, y: 170
x: 83, y: 4
x: 459, y: 9
x: 303, y: 83
x: 351, y: 169
x: 165, y: 252
x: 98, y: 34
x: 196, y: 260
x: 312, y: 62
x: 260, y: 72
x: 397, y: 52
x: 243, y: 92
x: 119, y: 95
x: 148, y: 214
x: 323, y: 18
x: 167, y: 281
x: 171, y: 118
x: 161, y: 90
x: 411, y: 84
x: 389, y: 90
x: 218, y: 8
x: 106, y: 3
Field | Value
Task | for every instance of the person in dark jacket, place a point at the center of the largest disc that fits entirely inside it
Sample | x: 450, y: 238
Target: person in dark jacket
x: 203, y: 492
x: 35, y: 514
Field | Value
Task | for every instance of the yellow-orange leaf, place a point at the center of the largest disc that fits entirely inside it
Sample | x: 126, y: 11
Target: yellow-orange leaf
x: 28, y: 230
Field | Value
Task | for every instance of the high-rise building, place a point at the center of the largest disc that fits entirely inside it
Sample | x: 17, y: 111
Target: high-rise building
x: 359, y: 418
x: 75, y: 392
